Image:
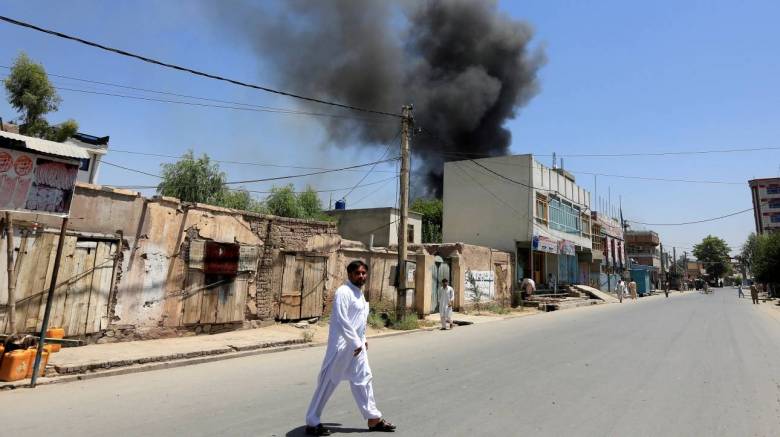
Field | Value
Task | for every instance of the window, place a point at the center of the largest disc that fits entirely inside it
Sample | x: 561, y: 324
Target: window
x: 84, y: 164
x: 565, y: 217
x: 585, y: 225
x: 410, y: 233
x: 775, y: 218
x: 773, y: 189
x: 774, y: 203
x: 541, y: 209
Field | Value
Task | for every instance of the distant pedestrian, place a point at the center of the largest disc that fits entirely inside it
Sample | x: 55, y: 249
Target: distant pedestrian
x: 446, y: 298
x: 620, y: 290
x: 346, y: 357
x: 552, y: 282
x: 632, y: 289
x: 666, y: 288
x: 754, y: 293
x: 740, y: 294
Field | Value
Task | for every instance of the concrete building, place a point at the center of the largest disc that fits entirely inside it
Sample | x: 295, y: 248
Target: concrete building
x: 516, y: 204
x: 609, y: 258
x: 96, y: 147
x: 642, y: 248
x: 766, y: 204
x: 382, y: 223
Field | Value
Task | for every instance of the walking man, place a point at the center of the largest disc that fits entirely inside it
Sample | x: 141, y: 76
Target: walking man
x: 346, y: 357
x: 620, y: 289
x: 666, y: 288
x: 446, y: 298
x: 740, y: 294
x: 754, y: 293
x: 632, y: 289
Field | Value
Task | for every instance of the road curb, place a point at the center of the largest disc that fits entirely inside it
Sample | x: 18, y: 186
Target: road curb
x: 174, y: 363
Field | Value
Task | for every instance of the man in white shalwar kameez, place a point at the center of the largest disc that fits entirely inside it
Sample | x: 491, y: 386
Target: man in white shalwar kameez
x: 446, y: 298
x: 346, y: 356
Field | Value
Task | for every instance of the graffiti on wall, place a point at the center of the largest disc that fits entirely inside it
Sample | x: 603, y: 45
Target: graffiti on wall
x: 30, y: 182
x: 480, y: 282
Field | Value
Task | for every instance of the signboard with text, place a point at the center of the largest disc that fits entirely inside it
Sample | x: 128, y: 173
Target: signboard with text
x: 30, y: 182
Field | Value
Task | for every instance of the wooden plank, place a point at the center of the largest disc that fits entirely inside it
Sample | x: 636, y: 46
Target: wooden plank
x: 173, y: 309
x: 101, y: 285
x: 78, y: 295
x: 64, y: 280
x: 192, y: 298
x: 45, y: 285
x: 210, y: 299
x: 31, y: 277
x: 231, y: 298
x: 313, y: 284
x: 292, y: 283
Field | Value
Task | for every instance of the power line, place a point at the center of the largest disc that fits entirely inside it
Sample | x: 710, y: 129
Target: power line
x: 693, y: 222
x: 206, y: 105
x: 190, y: 70
x: 222, y: 161
x: 387, y: 150
x: 248, y: 181
x: 330, y: 190
x: 611, y: 155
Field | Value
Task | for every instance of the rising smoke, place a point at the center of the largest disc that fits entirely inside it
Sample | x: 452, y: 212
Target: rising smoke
x: 465, y: 67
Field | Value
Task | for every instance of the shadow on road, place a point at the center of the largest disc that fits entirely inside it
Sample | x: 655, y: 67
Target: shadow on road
x: 335, y: 428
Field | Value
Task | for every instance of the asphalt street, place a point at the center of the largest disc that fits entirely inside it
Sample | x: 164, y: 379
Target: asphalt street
x: 689, y: 365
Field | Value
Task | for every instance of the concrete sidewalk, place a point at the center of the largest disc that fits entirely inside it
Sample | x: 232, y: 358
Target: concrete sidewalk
x: 97, y: 360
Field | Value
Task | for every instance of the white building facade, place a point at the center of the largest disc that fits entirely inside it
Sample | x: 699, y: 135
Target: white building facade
x: 515, y: 203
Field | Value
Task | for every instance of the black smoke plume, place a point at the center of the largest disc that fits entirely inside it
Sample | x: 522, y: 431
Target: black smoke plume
x: 464, y: 66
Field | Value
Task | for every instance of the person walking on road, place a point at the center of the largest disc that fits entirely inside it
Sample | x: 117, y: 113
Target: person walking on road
x: 346, y: 357
x: 446, y: 298
x: 666, y: 288
x: 620, y: 289
x: 740, y: 294
x: 632, y: 289
x: 754, y: 293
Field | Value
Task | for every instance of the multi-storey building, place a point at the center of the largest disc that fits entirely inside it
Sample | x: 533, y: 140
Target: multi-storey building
x: 608, y: 251
x: 766, y: 204
x: 515, y: 203
x: 642, y: 248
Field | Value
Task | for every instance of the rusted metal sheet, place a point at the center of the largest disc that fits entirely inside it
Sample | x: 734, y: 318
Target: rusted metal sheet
x: 220, y: 258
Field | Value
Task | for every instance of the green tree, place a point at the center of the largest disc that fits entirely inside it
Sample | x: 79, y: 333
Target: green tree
x: 748, y: 253
x: 310, y: 204
x: 283, y: 202
x: 240, y: 199
x: 766, y: 262
x: 714, y: 253
x: 33, y: 96
x: 432, y: 211
x: 193, y: 180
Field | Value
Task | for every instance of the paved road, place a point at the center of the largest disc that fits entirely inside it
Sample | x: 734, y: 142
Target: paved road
x: 688, y: 365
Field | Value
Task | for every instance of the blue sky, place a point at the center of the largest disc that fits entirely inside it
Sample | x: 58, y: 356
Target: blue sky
x: 620, y: 77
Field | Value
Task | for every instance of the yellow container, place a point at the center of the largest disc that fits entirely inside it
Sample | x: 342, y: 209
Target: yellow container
x: 55, y: 333
x: 15, y: 365
x: 44, y: 360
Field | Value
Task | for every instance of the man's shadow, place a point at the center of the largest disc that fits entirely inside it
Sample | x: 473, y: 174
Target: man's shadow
x: 335, y: 428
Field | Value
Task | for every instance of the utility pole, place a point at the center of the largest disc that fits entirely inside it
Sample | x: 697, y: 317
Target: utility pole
x: 406, y: 132
x: 674, y: 263
x: 9, y: 241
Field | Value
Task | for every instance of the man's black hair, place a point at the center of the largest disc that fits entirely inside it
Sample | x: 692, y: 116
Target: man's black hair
x: 445, y: 280
x: 356, y: 264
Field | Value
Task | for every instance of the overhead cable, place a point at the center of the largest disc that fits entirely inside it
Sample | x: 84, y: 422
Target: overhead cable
x: 190, y: 70
x: 695, y: 221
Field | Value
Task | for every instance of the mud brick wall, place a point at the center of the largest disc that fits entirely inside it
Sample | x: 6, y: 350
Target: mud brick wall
x: 283, y: 235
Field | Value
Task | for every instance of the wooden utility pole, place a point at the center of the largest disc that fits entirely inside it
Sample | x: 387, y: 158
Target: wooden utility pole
x: 9, y: 241
x: 406, y: 132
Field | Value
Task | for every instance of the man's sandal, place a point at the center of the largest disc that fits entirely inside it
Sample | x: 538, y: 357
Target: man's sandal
x: 382, y: 426
x: 317, y: 430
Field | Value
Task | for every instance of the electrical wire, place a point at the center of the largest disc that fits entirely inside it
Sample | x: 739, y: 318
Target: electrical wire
x: 387, y: 150
x: 222, y: 161
x: 693, y: 222
x: 190, y: 70
x: 248, y: 181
